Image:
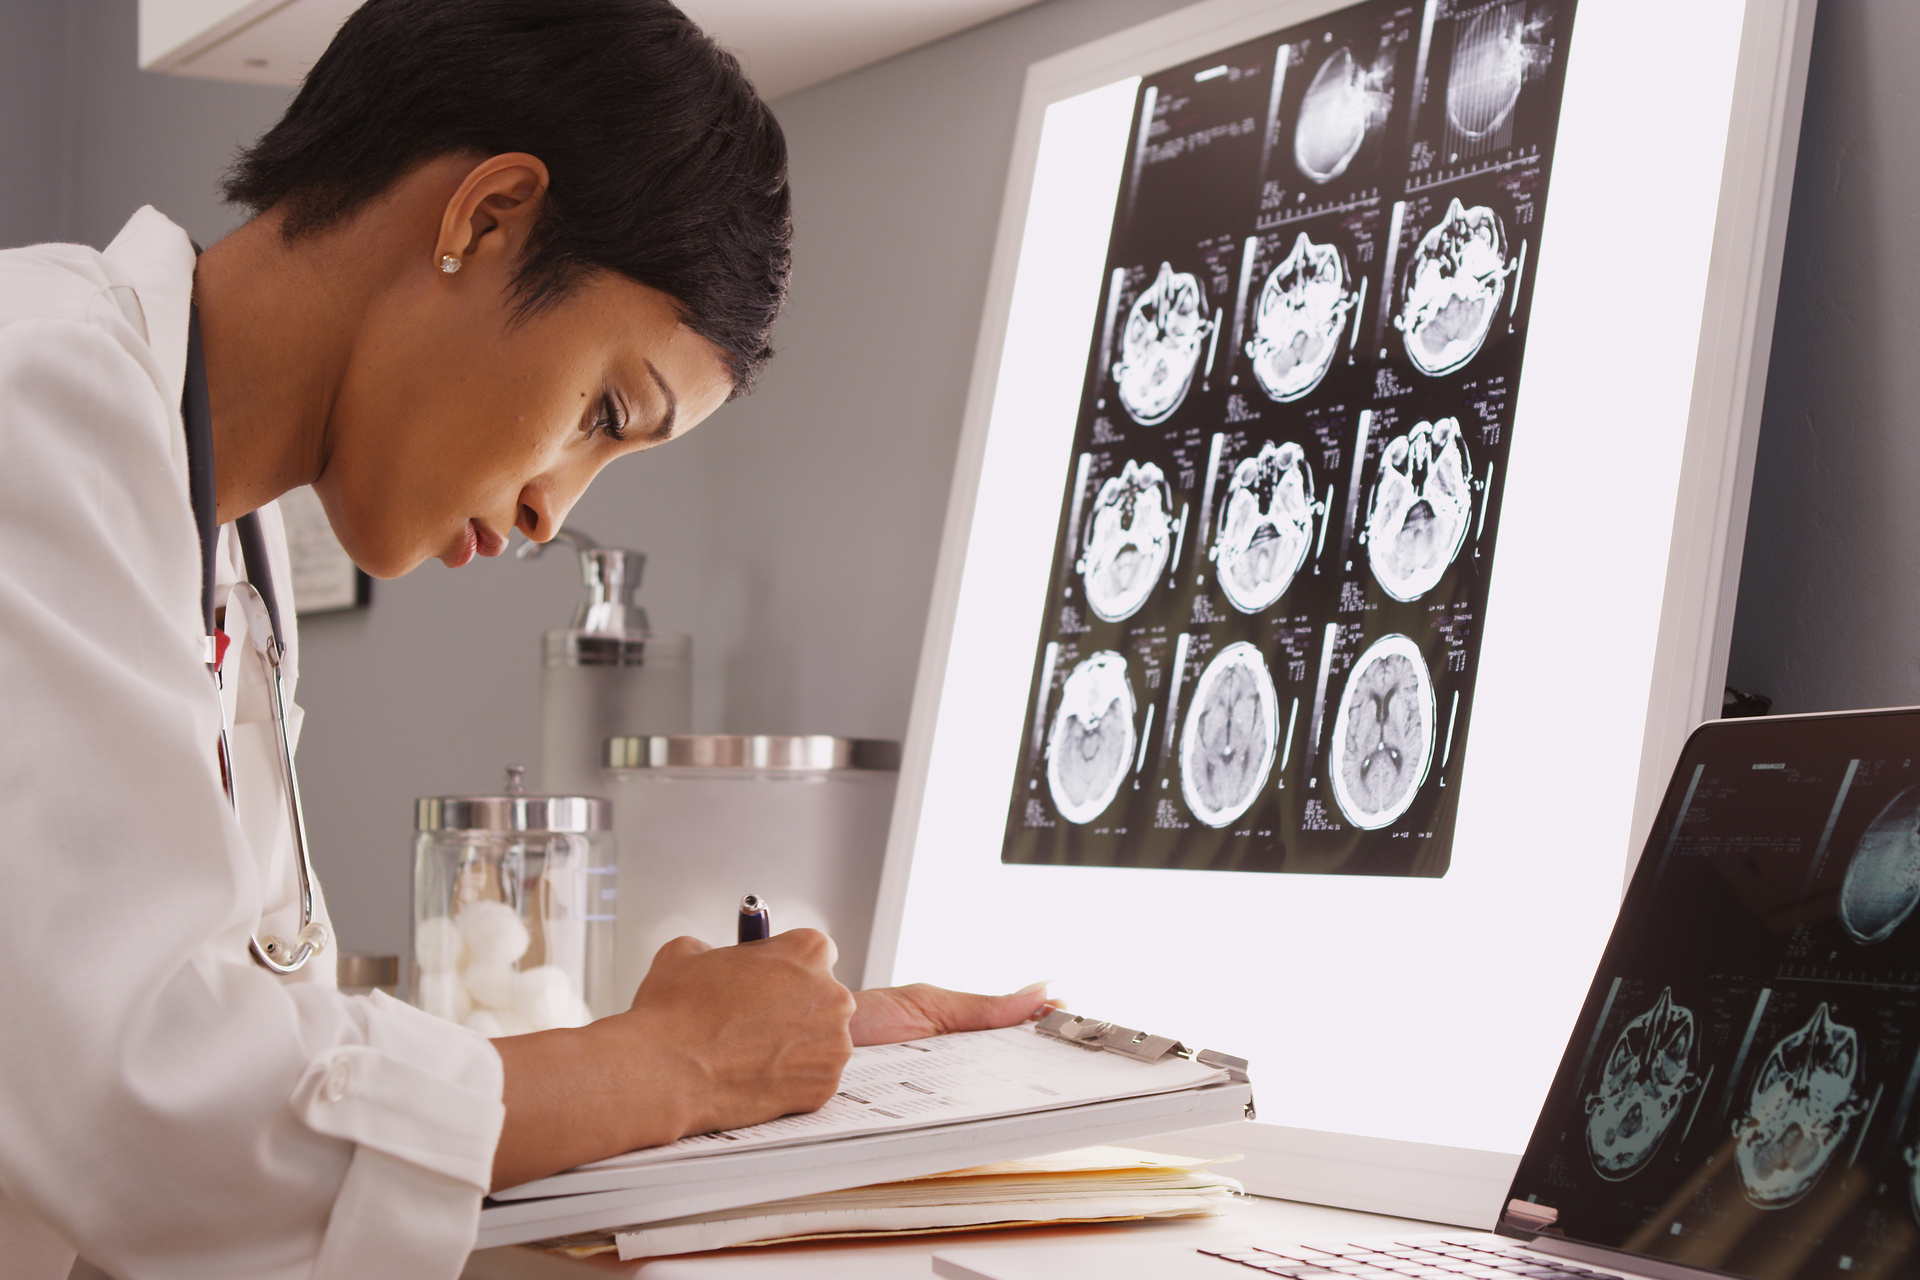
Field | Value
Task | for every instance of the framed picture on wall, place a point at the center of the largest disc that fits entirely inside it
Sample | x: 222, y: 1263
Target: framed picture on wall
x: 325, y: 580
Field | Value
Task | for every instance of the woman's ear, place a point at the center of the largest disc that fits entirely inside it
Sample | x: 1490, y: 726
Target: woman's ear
x: 491, y: 214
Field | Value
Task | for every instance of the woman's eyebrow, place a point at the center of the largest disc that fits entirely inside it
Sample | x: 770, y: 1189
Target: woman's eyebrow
x: 663, y: 431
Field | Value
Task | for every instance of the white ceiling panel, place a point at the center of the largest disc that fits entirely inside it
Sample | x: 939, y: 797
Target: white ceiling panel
x: 787, y: 45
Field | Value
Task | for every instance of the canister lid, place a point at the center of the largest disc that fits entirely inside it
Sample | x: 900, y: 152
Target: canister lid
x: 513, y: 811
x: 801, y: 753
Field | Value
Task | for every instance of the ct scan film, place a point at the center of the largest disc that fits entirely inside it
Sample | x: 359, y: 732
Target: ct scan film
x: 1270, y: 577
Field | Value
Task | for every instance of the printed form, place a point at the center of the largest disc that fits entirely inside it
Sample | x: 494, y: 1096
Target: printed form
x: 969, y: 1075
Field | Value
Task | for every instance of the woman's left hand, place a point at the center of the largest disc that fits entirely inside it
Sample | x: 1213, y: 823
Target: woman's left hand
x: 888, y: 1015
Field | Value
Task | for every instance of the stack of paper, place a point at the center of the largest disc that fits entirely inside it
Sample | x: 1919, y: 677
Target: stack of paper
x: 1098, y: 1184
x: 902, y: 1111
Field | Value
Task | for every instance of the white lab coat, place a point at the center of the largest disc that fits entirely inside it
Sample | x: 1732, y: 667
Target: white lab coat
x: 167, y: 1107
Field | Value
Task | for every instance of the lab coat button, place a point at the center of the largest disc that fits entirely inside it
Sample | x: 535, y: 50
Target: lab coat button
x: 339, y: 1080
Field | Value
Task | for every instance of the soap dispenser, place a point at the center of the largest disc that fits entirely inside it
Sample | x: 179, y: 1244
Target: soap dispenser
x: 607, y: 675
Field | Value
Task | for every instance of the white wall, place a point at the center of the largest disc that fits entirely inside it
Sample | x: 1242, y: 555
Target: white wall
x: 794, y: 535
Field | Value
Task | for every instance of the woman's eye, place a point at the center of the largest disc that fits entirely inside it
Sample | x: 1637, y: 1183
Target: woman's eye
x: 610, y: 422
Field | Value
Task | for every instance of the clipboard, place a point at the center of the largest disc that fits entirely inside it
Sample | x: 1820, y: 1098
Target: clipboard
x: 664, y: 1183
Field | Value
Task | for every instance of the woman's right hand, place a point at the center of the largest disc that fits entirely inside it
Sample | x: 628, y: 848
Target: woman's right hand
x: 717, y: 1038
x: 754, y: 1031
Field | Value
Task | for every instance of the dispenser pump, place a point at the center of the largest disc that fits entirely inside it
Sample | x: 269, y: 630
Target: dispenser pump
x: 612, y: 576
x: 608, y: 674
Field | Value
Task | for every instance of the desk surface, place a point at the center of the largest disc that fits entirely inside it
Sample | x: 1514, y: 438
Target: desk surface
x: 1272, y: 1221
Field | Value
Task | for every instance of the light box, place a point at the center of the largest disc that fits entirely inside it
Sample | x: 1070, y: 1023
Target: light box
x: 1344, y: 538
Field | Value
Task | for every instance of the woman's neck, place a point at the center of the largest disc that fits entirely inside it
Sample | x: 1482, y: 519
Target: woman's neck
x: 276, y: 322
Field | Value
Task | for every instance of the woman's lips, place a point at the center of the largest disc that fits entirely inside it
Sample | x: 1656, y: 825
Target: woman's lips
x: 485, y: 540
x: 475, y: 538
x: 463, y: 552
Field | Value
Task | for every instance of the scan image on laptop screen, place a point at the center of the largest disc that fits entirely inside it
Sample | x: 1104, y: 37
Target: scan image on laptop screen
x: 1739, y: 1093
x: 1262, y: 631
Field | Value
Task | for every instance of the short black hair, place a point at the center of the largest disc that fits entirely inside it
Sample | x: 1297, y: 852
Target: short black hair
x: 665, y: 165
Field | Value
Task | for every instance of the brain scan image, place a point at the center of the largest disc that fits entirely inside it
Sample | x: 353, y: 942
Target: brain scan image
x: 1344, y: 101
x: 1265, y: 526
x: 1491, y: 60
x: 1092, y: 741
x: 1883, y: 879
x: 1804, y: 1102
x: 1641, y: 1088
x: 1420, y: 508
x: 1298, y: 320
x: 1382, y: 734
x: 1455, y: 280
x: 1166, y: 331
x: 1232, y: 730
x: 1128, y: 536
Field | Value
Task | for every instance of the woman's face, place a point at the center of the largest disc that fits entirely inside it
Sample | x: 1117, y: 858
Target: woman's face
x: 454, y: 425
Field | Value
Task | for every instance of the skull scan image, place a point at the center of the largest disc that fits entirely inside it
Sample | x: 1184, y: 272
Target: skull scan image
x: 1420, y: 508
x: 1092, y: 740
x: 1160, y: 347
x: 1298, y: 320
x: 1640, y: 1090
x: 1882, y: 886
x: 1343, y: 102
x: 1265, y: 526
x: 1491, y: 60
x: 1804, y: 1102
x: 1383, y: 733
x: 1455, y: 280
x: 1232, y: 730
x: 1127, y: 539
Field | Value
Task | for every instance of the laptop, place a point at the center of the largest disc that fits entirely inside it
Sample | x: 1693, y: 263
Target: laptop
x: 1738, y: 1095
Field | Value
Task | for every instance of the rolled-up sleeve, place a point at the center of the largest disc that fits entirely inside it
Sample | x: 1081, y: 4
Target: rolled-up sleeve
x: 167, y: 1106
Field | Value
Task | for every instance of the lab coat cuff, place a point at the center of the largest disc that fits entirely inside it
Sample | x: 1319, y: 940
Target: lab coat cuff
x: 421, y: 1090
x: 391, y: 1219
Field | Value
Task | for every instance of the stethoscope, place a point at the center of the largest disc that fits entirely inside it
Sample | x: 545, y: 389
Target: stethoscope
x: 257, y: 602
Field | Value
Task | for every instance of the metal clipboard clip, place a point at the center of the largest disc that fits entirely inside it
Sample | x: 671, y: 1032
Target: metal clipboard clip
x: 1091, y: 1033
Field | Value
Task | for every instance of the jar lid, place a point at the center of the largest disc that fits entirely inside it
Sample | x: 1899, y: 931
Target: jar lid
x: 365, y: 971
x: 513, y: 811
x: 802, y: 753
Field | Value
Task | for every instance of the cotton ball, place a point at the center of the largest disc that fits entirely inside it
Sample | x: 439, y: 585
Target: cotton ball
x: 444, y: 995
x: 486, y: 1022
x: 546, y: 998
x: 494, y: 933
x: 491, y: 985
x: 512, y: 1024
x: 438, y: 946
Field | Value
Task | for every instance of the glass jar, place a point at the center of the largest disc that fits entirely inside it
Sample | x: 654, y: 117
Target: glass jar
x: 513, y: 910
x: 800, y: 820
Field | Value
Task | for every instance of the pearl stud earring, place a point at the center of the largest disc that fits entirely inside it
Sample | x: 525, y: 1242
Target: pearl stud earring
x: 449, y: 264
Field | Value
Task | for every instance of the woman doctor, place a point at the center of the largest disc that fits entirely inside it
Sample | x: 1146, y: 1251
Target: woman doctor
x: 497, y: 246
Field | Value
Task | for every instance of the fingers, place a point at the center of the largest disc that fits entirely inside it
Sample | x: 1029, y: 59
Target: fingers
x: 888, y: 1015
x: 962, y: 1011
x: 681, y: 946
x: 810, y: 944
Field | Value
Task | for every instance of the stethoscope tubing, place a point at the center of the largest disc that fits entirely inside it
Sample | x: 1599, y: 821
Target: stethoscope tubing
x: 257, y: 600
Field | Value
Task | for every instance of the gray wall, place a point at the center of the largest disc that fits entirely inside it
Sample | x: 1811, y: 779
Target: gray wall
x: 33, y: 137
x: 795, y: 534
x: 1829, y: 613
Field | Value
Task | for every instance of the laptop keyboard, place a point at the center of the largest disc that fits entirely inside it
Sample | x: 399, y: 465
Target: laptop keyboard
x: 1421, y: 1260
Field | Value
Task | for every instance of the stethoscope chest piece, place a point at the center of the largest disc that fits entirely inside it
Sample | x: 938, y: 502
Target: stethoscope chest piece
x: 261, y: 643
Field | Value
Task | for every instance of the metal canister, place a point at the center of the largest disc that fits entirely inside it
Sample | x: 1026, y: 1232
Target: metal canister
x: 514, y: 900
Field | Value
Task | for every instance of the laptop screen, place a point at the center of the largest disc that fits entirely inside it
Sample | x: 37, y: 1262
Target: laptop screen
x: 1739, y: 1092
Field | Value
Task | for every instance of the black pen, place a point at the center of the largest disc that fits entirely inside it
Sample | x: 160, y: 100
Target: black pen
x: 754, y: 925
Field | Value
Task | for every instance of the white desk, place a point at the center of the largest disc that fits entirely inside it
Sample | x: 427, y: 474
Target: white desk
x: 1270, y: 1221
